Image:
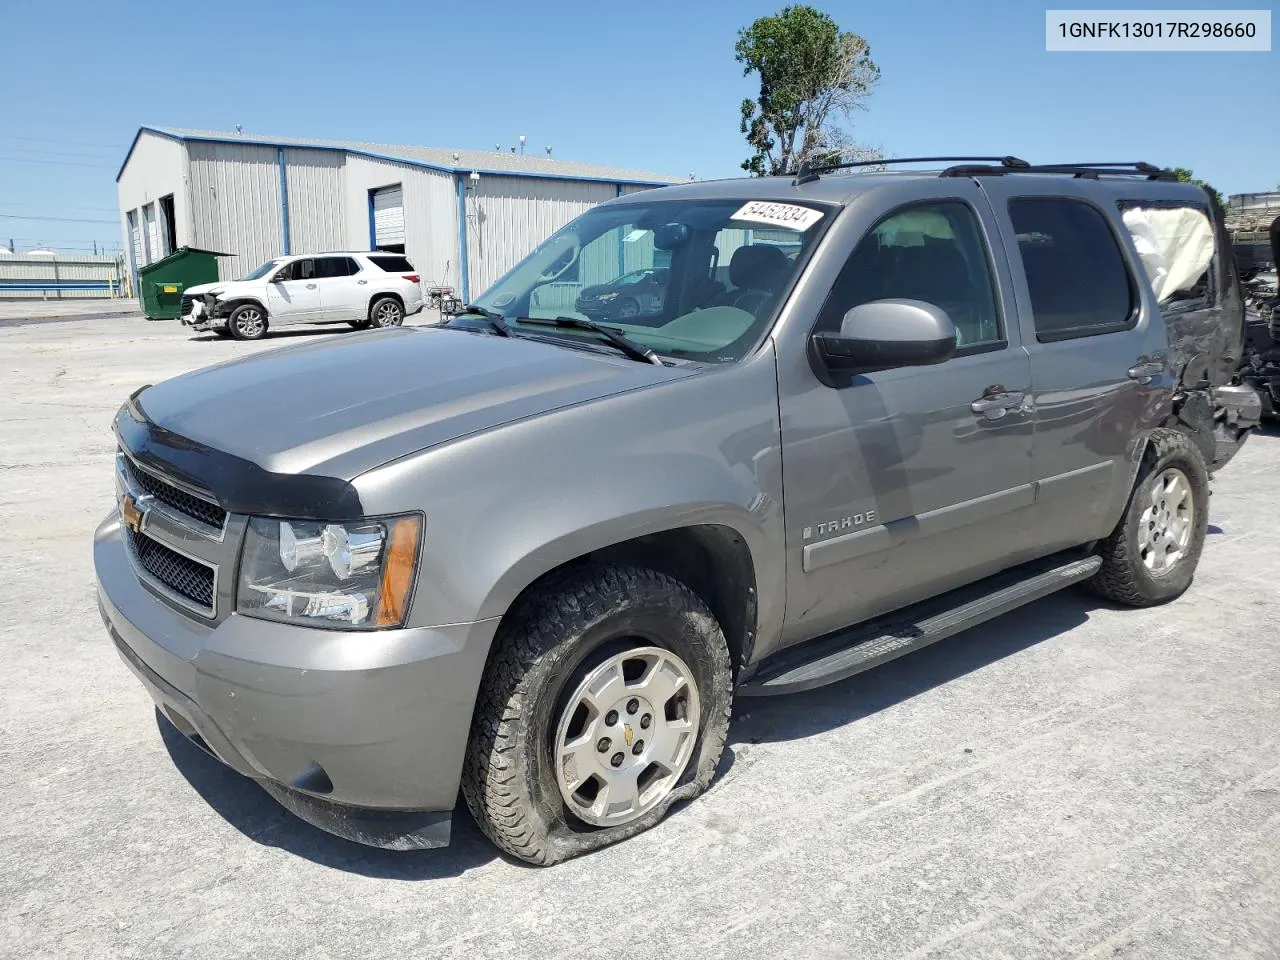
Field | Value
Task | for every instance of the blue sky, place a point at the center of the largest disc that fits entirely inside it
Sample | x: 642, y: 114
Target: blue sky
x: 648, y: 85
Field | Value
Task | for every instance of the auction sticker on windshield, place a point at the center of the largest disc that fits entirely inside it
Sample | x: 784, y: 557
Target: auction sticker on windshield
x: 790, y: 216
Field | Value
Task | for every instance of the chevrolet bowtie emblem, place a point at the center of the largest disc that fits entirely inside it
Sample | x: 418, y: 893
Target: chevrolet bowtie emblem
x: 130, y: 515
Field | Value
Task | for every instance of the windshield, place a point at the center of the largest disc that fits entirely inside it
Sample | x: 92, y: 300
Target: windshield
x: 695, y: 279
x: 262, y: 271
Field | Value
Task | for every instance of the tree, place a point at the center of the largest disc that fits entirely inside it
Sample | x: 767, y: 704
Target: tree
x: 1188, y: 176
x: 811, y: 76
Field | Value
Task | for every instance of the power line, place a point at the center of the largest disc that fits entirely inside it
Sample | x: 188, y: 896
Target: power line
x: 61, y: 163
x: 57, y: 206
x: 52, y: 153
x: 82, y: 143
x: 14, y: 216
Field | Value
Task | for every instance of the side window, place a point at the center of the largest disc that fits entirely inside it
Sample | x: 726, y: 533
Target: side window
x: 1176, y: 246
x: 304, y: 269
x: 353, y: 267
x: 327, y: 267
x: 929, y: 251
x: 1076, y: 274
x: 288, y: 272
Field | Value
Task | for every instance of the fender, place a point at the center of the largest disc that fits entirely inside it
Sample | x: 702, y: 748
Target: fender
x: 507, y: 505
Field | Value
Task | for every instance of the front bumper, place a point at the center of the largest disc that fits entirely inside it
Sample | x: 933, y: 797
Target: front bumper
x: 360, y: 734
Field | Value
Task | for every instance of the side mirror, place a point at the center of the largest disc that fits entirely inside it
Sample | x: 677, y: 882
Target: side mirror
x: 885, y: 334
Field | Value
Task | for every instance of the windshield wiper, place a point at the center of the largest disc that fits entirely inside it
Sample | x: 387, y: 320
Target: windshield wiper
x: 615, y: 337
x: 497, y: 322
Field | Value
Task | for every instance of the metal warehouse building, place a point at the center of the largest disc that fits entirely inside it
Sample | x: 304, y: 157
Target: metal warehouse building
x: 464, y: 217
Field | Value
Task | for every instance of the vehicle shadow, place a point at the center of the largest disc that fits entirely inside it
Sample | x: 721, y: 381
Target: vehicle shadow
x: 272, y: 334
x: 244, y: 805
x: 800, y: 715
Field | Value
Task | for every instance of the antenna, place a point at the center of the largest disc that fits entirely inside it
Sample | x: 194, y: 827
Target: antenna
x: 238, y: 133
x: 522, y: 144
x: 548, y: 151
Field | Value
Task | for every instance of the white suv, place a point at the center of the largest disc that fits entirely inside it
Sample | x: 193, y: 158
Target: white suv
x: 362, y: 289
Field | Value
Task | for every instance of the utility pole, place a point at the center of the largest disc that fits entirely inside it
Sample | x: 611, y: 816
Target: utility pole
x: 95, y: 248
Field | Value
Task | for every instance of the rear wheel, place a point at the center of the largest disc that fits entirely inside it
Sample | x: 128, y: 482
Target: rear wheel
x: 1151, y: 556
x: 605, y: 700
x: 386, y: 312
x: 247, y: 322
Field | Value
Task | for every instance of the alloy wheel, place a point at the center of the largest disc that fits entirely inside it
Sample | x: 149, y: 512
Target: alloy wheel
x: 1165, y: 526
x: 626, y: 735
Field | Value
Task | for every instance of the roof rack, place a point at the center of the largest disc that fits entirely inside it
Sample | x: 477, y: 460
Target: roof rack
x: 809, y: 172
x: 1088, y: 171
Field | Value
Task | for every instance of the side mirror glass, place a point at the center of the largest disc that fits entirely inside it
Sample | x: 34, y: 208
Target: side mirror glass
x: 885, y: 334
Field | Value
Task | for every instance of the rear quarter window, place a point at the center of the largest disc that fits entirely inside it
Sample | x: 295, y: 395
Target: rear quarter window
x: 1076, y: 274
x: 392, y: 263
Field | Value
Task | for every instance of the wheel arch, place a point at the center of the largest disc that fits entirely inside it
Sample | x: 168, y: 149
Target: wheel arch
x: 383, y: 295
x: 713, y: 559
x: 228, y: 306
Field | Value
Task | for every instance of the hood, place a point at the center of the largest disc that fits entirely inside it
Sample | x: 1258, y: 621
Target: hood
x: 344, y: 405
x: 199, y: 289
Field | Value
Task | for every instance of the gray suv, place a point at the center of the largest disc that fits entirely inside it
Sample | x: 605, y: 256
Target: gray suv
x: 533, y: 558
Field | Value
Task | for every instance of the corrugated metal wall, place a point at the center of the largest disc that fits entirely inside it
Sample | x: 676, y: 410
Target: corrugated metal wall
x: 430, y: 214
x: 508, y: 216
x: 316, y: 183
x: 235, y: 200
x: 49, y: 278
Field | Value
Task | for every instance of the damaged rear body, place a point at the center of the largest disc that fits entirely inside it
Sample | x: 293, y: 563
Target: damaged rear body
x: 1186, y: 253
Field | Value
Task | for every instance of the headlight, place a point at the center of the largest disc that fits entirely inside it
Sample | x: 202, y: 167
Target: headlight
x: 356, y: 574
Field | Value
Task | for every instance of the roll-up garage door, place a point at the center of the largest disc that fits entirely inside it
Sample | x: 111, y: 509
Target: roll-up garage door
x: 388, y: 218
x: 154, y: 252
x: 135, y: 237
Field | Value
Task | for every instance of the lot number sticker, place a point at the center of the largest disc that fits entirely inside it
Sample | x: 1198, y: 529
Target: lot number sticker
x: 789, y: 216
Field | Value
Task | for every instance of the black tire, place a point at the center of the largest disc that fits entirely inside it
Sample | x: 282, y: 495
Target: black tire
x: 1124, y: 577
x: 386, y: 312
x: 248, y: 322
x: 627, y: 308
x: 551, y: 639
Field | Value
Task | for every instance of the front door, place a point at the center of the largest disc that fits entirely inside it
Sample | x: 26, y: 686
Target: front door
x: 293, y: 294
x: 1098, y: 351
x: 903, y: 483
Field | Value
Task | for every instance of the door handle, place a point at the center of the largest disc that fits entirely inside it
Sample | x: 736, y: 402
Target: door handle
x: 362, y: 282
x: 1144, y: 371
x: 311, y: 286
x: 996, y: 401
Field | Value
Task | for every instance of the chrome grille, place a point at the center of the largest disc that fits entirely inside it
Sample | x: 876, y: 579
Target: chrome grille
x: 185, y: 503
x: 186, y: 577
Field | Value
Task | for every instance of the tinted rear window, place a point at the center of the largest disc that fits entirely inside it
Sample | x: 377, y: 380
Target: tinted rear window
x: 392, y: 263
x: 1075, y: 272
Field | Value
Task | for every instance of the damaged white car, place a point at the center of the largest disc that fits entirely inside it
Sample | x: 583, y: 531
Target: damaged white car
x: 361, y: 289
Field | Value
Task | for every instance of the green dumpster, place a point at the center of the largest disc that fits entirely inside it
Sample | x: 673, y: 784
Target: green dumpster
x: 161, y: 283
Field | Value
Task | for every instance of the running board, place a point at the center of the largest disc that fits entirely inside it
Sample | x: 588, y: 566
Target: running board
x: 841, y: 655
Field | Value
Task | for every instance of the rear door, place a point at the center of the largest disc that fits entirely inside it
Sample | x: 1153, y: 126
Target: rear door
x: 293, y: 294
x: 1098, y: 348
x: 342, y: 297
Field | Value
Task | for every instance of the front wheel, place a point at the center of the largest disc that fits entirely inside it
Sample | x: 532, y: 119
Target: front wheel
x: 386, y: 313
x: 1151, y: 556
x: 605, y: 700
x: 247, y: 322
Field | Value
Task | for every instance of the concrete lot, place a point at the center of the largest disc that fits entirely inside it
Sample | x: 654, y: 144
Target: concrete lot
x: 1073, y: 780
